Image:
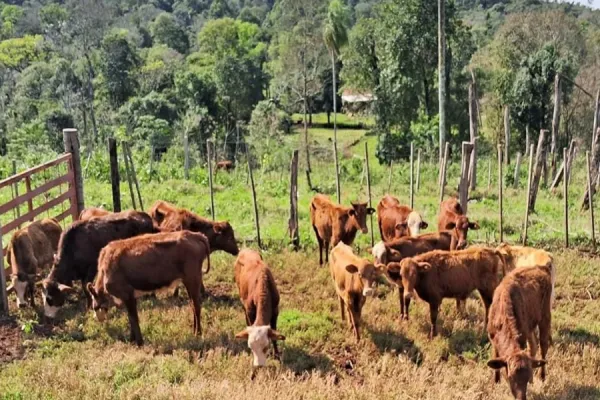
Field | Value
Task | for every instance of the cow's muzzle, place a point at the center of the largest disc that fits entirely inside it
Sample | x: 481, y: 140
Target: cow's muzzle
x: 368, y: 292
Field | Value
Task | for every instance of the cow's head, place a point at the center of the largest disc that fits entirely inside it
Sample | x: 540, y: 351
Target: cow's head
x: 259, y: 338
x: 384, y: 254
x: 225, y: 238
x: 358, y: 213
x: 460, y: 228
x: 54, y: 295
x: 22, y: 284
x: 367, y: 273
x: 410, y: 271
x: 519, y: 371
x: 413, y: 225
x: 100, y: 302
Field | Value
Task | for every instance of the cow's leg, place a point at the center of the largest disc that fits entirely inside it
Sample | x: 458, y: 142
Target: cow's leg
x: 31, y: 289
x: 403, y: 316
x: 545, y: 336
x: 274, y: 327
x: 406, y: 306
x: 326, y: 251
x: 134, y: 322
x: 496, y: 371
x: 193, y: 288
x: 486, y: 297
x: 320, y: 241
x: 433, y: 314
x: 88, y: 296
x: 352, y: 316
x: 342, y: 306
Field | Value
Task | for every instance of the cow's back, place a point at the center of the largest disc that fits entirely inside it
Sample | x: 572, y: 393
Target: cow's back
x: 31, y: 248
x: 450, y: 210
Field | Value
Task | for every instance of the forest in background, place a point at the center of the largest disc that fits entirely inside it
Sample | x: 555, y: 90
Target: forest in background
x: 152, y: 72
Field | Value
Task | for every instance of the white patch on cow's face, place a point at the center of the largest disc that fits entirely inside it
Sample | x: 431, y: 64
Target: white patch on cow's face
x: 379, y: 252
x: 414, y: 223
x: 258, y: 342
x: 20, y: 290
x: 368, y: 291
x: 49, y: 311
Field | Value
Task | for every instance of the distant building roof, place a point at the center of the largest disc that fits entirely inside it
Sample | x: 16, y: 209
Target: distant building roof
x: 353, y: 96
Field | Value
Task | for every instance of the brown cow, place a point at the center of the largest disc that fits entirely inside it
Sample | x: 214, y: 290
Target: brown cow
x: 522, y: 304
x: 452, y: 217
x: 78, y: 250
x: 449, y: 274
x: 225, y: 165
x: 333, y: 223
x: 30, y: 251
x: 396, y: 221
x: 353, y: 278
x: 170, y: 219
x: 93, y: 212
x: 260, y: 297
x: 148, y: 263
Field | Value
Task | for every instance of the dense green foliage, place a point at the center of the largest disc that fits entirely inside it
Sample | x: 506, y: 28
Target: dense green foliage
x: 151, y: 71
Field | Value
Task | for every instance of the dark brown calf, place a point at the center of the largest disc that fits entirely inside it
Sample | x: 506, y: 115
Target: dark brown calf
x: 522, y: 304
x: 451, y: 217
x: 450, y: 274
x: 333, y: 223
x: 260, y: 297
x: 128, y: 268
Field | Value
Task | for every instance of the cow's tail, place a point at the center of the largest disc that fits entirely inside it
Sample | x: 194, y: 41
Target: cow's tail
x: 204, y: 240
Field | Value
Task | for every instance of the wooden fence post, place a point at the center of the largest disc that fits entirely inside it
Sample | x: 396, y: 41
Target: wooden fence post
x: 590, y: 199
x: 71, y: 145
x: 529, y: 177
x: 3, y: 294
x: 566, y: 198
x: 210, y: 176
x: 443, y: 172
x: 129, y: 177
x: 489, y: 175
x: 555, y: 123
x: 517, y: 167
x: 151, y: 162
x: 571, y: 156
x: 473, y: 131
x: 527, y: 140
x: 186, y: 150
x: 369, y: 190
x: 463, y: 187
x: 134, y: 175
x: 115, y: 181
x: 537, y: 172
x: 507, y: 134
x: 293, y: 222
x: 500, y: 222
x: 412, y: 173
x: 595, y: 172
x: 16, y: 185
x: 256, y: 221
x: 596, y: 118
x: 390, y: 176
x: 418, y: 169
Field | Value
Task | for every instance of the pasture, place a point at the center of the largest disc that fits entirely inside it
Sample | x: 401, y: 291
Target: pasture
x: 79, y: 357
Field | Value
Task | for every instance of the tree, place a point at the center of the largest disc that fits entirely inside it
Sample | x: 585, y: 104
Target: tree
x: 165, y: 30
x: 19, y: 53
x: 119, y: 61
x: 442, y: 74
x: 335, y: 36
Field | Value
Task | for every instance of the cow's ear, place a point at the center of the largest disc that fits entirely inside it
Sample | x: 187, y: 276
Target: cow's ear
x: 473, y: 225
x: 395, y: 253
x: 424, y: 266
x: 497, y: 363
x: 218, y: 227
x: 91, y: 289
x: 274, y: 335
x: 538, y: 363
x: 370, y: 211
x: 424, y: 225
x: 65, y: 288
x: 242, y: 334
x: 351, y: 212
x: 402, y: 225
x: 450, y: 225
x: 352, y: 268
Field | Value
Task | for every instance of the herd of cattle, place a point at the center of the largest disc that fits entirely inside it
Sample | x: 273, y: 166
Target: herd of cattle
x: 121, y: 256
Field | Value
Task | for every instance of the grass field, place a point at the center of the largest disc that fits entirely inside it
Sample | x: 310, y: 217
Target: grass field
x: 79, y: 357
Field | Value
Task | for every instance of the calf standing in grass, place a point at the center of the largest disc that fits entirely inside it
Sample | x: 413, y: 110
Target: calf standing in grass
x: 453, y: 218
x: 353, y: 278
x: 333, y: 223
x: 396, y: 220
x: 260, y: 298
x: 128, y: 268
x: 522, y: 303
x: 449, y: 274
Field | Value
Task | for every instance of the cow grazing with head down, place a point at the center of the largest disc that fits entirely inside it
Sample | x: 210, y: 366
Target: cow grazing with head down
x: 396, y: 220
x: 453, y: 218
x: 31, y: 251
x: 333, y: 223
x: 78, y: 250
x: 260, y: 297
x: 522, y: 304
x: 353, y: 278
x: 93, y: 212
x: 148, y: 263
x: 449, y: 274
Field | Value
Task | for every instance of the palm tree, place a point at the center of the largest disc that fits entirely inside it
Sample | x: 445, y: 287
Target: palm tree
x: 335, y: 36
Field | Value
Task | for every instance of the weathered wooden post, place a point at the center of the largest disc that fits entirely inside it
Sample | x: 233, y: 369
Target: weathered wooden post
x: 129, y: 175
x: 369, y: 190
x: 443, y: 172
x: 517, y: 167
x: 390, y: 176
x: 463, y: 188
x: 134, y: 175
x: 293, y: 222
x: 3, y: 294
x: 210, y: 176
x: 115, y: 180
x: 590, y: 199
x: 527, y: 140
x: 500, y: 222
x: 412, y: 173
x: 254, y: 202
x: 418, y: 169
x: 537, y: 172
x: 566, y: 198
x: 151, y: 162
x: 555, y: 123
x: 571, y: 156
x: 595, y: 172
x: 16, y: 186
x: 596, y: 118
x: 529, y: 177
x: 507, y: 134
x: 71, y: 145
x: 473, y: 131
x: 186, y: 162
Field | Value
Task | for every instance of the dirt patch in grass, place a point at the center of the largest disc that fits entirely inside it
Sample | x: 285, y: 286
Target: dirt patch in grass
x: 10, y: 340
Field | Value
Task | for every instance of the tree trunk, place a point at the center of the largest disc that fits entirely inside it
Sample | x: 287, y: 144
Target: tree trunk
x: 474, y: 128
x: 506, y: 134
x: 527, y: 140
x: 335, y: 154
x: 594, y: 172
x: 555, y: 123
x: 92, y: 96
x: 442, y: 76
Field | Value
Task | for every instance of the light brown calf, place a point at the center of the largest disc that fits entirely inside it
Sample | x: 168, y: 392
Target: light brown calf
x: 93, y: 212
x: 396, y: 221
x: 451, y: 217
